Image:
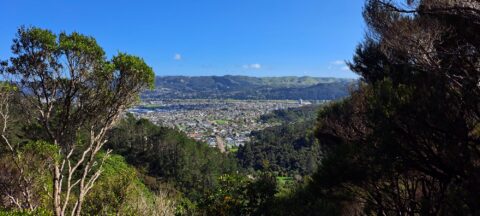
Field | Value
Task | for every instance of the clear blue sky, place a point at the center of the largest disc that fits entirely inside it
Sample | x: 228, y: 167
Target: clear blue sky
x: 206, y: 37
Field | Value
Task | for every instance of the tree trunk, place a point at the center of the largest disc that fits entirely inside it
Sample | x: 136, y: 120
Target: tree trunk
x: 57, y: 193
x: 78, y: 210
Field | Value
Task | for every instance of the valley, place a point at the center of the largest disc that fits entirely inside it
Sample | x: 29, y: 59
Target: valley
x: 225, y: 124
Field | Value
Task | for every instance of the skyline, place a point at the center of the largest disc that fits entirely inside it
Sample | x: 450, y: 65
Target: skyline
x: 192, y: 38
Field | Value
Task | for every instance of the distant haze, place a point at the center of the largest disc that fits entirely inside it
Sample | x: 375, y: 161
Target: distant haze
x: 246, y: 87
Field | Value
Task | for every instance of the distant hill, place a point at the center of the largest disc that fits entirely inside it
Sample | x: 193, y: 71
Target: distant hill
x: 244, y: 87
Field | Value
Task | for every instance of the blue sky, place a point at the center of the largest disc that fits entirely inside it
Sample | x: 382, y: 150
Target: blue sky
x: 206, y: 37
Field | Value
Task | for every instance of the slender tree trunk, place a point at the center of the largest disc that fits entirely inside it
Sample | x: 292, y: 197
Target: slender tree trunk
x: 57, y: 205
x: 79, y: 203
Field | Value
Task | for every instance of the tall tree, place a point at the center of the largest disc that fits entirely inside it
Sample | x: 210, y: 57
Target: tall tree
x: 75, y: 95
x: 407, y: 142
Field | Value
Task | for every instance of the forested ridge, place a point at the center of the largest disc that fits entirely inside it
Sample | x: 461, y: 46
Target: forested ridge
x: 165, y: 155
x: 288, y: 149
x: 404, y: 142
x: 248, y: 88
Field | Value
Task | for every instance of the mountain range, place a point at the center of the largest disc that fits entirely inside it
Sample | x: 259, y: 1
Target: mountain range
x: 245, y: 87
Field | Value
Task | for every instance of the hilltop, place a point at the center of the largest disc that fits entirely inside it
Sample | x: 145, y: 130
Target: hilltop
x: 244, y: 87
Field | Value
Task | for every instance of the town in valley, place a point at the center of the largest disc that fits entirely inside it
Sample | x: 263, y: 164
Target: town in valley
x: 222, y: 123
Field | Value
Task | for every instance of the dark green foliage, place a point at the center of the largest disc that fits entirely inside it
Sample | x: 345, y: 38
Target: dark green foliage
x: 68, y: 79
x: 239, y: 195
x: 305, y: 201
x: 38, y: 212
x: 286, y: 149
x: 406, y: 142
x: 305, y: 113
x: 27, y: 169
x: 69, y: 95
x: 170, y: 156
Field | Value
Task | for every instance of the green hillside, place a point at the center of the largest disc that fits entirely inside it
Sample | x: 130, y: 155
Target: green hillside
x: 244, y: 87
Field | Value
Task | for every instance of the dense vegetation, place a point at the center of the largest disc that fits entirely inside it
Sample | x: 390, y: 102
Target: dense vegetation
x: 152, y: 170
x: 70, y: 95
x: 242, y: 87
x: 287, y: 149
x: 291, y: 115
x: 165, y: 155
x: 405, y: 142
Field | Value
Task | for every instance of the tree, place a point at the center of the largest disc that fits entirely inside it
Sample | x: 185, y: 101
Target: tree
x: 17, y: 186
x: 119, y: 191
x: 25, y: 180
x: 71, y: 91
x: 407, y: 141
x: 169, y: 156
x: 239, y: 195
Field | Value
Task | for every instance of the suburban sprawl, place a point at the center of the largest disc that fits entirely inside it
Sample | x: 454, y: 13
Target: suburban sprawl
x: 224, y: 124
